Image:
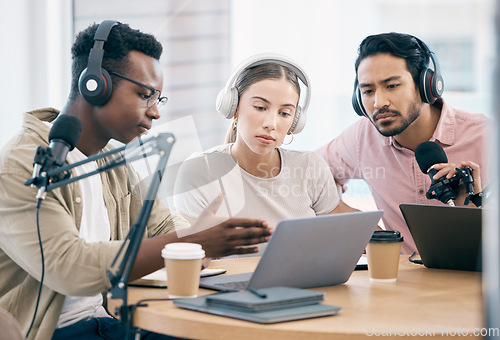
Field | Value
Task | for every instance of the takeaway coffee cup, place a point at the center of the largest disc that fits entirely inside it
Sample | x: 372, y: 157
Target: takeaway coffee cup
x: 383, y: 252
x: 183, y: 264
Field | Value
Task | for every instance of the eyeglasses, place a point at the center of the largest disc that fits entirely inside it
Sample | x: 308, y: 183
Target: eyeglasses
x: 154, y: 98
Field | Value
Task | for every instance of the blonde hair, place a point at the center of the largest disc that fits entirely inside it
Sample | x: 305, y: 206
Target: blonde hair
x: 253, y: 75
x: 231, y: 133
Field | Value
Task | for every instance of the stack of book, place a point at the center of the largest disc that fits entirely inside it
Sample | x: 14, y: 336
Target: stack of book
x: 267, y: 305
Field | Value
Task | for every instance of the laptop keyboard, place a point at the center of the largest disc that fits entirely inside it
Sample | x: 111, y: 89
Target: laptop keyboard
x: 236, y: 285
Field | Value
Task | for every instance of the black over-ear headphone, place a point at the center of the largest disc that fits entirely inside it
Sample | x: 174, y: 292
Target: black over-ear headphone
x: 431, y: 84
x: 95, y: 83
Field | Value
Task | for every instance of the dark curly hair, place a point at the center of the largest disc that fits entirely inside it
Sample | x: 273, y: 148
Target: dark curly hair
x: 122, y: 39
x: 400, y: 45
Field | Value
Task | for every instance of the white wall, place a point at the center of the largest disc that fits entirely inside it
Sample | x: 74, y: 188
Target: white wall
x: 323, y: 36
x: 36, y: 40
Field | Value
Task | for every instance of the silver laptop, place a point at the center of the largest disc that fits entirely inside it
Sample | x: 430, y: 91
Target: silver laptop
x: 307, y: 252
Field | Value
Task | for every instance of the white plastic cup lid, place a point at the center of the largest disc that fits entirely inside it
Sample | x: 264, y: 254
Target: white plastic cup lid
x: 183, y: 251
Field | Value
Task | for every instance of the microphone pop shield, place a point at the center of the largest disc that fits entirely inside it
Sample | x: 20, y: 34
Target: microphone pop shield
x: 66, y: 128
x: 429, y: 153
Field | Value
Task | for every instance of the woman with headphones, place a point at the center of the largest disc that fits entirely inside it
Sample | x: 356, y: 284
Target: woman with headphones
x: 257, y: 177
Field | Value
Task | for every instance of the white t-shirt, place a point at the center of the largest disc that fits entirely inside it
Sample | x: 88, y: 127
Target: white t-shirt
x: 304, y: 186
x: 94, y: 227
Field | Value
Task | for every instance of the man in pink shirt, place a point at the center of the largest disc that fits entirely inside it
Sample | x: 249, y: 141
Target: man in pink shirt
x: 400, y: 95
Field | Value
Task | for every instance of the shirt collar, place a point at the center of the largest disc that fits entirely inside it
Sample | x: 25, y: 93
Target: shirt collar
x: 445, y: 130
x: 35, y: 120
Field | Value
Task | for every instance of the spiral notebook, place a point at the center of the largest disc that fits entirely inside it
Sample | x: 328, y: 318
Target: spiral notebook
x: 266, y: 299
x: 281, y: 304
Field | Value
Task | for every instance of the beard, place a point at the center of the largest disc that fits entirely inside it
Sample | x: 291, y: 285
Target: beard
x: 413, y: 114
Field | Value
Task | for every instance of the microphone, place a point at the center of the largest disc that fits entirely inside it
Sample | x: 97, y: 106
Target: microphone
x: 63, y: 137
x: 428, y: 154
x: 37, y: 163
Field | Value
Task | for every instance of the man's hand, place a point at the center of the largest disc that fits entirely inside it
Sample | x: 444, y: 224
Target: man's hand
x: 449, y: 170
x: 223, y: 236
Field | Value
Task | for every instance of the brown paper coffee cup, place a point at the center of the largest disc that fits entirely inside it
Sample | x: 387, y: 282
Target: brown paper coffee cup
x: 183, y: 265
x: 382, y: 253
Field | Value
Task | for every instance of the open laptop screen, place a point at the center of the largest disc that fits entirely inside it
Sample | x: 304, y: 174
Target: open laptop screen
x: 446, y: 237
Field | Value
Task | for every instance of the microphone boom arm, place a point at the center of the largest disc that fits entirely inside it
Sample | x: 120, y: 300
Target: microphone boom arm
x: 119, y: 277
x: 121, y: 266
x: 58, y: 177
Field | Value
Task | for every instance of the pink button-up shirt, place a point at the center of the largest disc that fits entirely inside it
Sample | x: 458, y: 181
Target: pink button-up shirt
x: 391, y: 170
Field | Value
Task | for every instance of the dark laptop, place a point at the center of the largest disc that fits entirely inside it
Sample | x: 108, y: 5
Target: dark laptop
x: 446, y: 237
x: 307, y: 252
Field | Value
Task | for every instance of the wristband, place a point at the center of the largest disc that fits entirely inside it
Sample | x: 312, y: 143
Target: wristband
x: 477, y: 199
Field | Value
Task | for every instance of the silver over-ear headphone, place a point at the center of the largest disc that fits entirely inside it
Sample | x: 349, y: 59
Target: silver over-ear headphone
x: 227, y: 100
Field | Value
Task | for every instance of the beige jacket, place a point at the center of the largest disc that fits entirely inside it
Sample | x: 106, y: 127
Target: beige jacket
x: 72, y: 267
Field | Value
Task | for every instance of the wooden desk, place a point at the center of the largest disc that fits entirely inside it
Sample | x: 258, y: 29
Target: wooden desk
x: 422, y: 301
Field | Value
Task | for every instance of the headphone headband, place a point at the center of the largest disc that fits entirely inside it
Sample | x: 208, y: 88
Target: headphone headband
x: 431, y: 83
x: 95, y: 83
x: 227, y: 100
x: 264, y: 58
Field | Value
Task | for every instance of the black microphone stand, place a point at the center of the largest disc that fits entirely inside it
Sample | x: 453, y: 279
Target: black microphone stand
x: 122, y: 264
x: 124, y: 260
x: 446, y: 190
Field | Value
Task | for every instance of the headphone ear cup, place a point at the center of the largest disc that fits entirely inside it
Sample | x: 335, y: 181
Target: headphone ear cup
x: 437, y: 85
x: 95, y: 88
x: 299, y: 121
x: 227, y: 102
x: 426, y: 86
x: 356, y: 104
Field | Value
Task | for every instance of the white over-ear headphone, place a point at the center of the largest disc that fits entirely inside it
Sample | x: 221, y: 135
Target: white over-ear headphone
x: 227, y: 100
